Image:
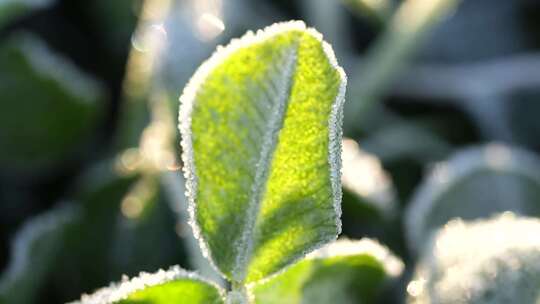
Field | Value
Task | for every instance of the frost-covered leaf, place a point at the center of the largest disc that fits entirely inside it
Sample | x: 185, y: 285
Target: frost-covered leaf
x: 495, y: 261
x: 174, y: 189
x: 475, y: 183
x: 342, y: 272
x: 261, y: 128
x: 163, y: 287
x: 12, y: 9
x: 33, y: 254
x: 49, y: 107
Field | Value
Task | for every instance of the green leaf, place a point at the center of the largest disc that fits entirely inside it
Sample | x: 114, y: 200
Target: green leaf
x: 33, y: 254
x: 495, y: 261
x: 261, y: 128
x: 342, y: 272
x: 163, y: 287
x: 475, y: 183
x: 174, y: 189
x: 59, y: 105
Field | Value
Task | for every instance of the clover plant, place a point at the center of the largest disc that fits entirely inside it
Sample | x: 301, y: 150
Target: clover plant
x: 261, y: 139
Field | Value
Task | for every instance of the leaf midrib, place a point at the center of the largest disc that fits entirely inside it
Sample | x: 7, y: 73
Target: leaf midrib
x: 270, y: 142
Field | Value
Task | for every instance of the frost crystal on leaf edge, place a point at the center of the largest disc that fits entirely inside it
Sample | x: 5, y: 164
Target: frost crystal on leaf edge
x: 119, y: 291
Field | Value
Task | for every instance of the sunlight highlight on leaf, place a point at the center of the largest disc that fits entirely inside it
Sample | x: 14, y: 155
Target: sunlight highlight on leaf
x: 475, y: 183
x: 261, y: 138
x: 163, y: 287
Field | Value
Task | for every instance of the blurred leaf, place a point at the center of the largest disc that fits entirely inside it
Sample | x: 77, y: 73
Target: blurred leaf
x: 13, y: 9
x: 163, y: 287
x: 174, y: 189
x: 494, y: 261
x: 243, y: 182
x: 49, y: 108
x: 408, y: 26
x: 405, y: 140
x: 342, y: 272
x: 484, y: 30
x: 474, y: 183
x: 33, y: 253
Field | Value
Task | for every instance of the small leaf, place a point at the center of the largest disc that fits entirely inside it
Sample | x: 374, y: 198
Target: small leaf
x: 370, y: 206
x: 495, y: 261
x: 33, y: 254
x: 475, y: 183
x: 163, y: 287
x: 342, y: 272
x: 261, y: 128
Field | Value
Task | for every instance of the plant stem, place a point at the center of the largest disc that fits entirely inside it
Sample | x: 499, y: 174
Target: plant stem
x: 238, y: 294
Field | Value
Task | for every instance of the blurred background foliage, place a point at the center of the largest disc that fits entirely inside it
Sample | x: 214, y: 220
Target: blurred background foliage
x: 441, y: 115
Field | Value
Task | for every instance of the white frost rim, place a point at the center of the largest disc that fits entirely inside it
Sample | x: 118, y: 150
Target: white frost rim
x: 392, y: 265
x: 186, y: 107
x: 119, y: 291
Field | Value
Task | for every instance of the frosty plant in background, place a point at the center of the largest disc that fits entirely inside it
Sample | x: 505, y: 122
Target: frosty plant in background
x: 261, y: 138
x: 483, y: 261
